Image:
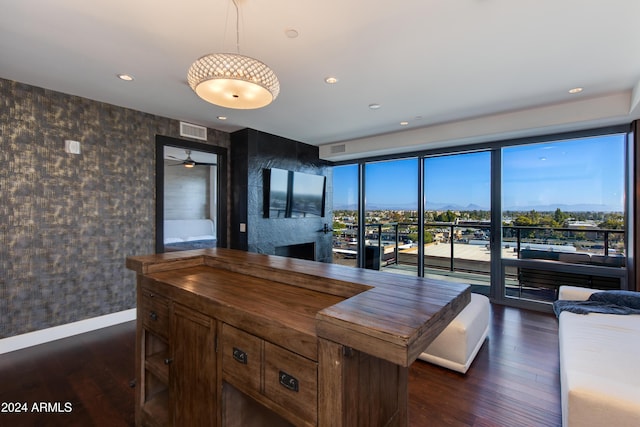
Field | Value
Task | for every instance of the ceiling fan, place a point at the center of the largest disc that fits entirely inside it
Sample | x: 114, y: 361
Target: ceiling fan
x: 189, y: 162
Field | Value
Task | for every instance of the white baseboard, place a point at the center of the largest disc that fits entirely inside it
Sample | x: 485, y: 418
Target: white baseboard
x: 63, y: 331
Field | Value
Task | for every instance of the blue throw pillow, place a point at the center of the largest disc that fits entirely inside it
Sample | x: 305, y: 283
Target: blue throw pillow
x: 629, y: 299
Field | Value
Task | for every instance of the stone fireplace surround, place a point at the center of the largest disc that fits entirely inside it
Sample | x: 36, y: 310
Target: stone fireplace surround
x: 252, y: 152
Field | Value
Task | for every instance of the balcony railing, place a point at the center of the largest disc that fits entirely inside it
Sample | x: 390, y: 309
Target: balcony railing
x: 465, y: 248
x: 578, y: 239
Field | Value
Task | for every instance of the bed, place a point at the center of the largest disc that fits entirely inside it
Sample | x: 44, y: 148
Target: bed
x: 186, y: 234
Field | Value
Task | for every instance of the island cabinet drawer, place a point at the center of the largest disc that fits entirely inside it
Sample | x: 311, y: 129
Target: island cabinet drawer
x: 291, y: 381
x: 154, y: 311
x: 241, y: 357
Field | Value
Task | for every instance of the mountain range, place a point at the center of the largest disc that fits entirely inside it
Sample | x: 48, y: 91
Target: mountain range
x: 583, y: 207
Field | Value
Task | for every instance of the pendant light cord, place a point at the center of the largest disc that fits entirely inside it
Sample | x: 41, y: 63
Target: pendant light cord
x: 237, y: 26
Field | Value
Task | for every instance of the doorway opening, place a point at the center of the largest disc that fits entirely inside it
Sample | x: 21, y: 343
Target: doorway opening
x: 190, y: 195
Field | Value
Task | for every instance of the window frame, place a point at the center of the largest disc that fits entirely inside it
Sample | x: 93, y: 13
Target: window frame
x: 497, y: 266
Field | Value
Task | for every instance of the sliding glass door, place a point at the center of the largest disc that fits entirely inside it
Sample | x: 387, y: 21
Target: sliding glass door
x: 391, y: 211
x: 516, y: 220
x: 563, y: 216
x: 457, y: 218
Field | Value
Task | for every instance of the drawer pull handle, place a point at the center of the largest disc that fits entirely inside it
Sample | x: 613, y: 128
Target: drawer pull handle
x: 153, y: 315
x: 168, y: 361
x: 288, y: 381
x: 240, y: 356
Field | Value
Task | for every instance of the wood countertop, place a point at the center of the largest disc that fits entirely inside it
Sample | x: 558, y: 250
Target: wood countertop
x: 393, y: 317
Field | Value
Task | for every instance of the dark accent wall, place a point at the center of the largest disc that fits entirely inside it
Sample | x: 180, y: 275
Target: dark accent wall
x: 67, y: 222
x: 633, y: 208
x: 251, y: 153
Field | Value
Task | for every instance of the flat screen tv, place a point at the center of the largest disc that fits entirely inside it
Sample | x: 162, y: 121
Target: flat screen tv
x: 289, y: 194
x: 307, y: 197
x: 277, y: 193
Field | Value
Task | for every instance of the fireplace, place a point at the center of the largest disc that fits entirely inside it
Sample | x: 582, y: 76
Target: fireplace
x: 301, y: 250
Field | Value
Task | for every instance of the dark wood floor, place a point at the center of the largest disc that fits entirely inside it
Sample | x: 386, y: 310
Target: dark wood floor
x: 514, y: 380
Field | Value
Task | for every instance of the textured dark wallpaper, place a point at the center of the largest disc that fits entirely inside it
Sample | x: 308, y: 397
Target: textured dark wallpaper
x: 67, y: 222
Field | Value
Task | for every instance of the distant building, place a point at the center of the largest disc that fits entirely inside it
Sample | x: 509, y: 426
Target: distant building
x: 589, y: 227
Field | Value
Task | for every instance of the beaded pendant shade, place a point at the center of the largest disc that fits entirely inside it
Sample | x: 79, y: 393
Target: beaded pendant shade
x: 232, y: 80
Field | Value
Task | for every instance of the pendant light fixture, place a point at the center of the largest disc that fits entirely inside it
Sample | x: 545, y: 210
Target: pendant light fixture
x: 232, y: 80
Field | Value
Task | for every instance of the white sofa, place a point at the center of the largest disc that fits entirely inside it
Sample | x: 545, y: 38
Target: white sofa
x: 600, y: 378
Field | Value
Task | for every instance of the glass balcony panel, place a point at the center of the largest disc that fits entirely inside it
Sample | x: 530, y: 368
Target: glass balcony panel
x: 563, y: 216
x: 391, y: 214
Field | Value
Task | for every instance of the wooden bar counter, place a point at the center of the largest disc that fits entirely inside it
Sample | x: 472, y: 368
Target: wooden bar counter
x: 238, y: 339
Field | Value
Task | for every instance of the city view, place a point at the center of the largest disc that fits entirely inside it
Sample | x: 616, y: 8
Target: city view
x: 562, y: 201
x: 562, y: 231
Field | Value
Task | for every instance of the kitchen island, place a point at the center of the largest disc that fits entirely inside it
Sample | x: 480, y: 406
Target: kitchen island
x: 232, y: 338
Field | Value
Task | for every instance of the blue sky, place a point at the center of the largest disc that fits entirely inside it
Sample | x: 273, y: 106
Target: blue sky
x: 580, y: 173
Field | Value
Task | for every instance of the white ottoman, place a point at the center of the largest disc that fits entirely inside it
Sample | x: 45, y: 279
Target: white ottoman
x: 457, y: 346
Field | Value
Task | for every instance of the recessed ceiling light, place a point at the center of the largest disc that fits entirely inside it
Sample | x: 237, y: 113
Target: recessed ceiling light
x: 575, y: 90
x: 374, y: 106
x: 331, y: 80
x: 222, y: 117
x: 404, y: 123
x: 292, y: 33
x: 125, y: 77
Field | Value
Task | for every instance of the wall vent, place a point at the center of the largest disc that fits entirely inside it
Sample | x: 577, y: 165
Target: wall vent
x: 340, y: 148
x: 193, y: 131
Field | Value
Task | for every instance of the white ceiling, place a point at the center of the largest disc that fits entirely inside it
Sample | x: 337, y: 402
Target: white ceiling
x: 459, y: 71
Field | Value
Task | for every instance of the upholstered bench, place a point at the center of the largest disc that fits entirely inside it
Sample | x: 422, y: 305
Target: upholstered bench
x: 457, y: 346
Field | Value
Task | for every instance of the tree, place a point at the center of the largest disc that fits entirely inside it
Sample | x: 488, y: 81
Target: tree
x: 613, y: 222
x: 522, y: 221
x: 447, y: 216
x: 560, y: 217
x: 428, y: 237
